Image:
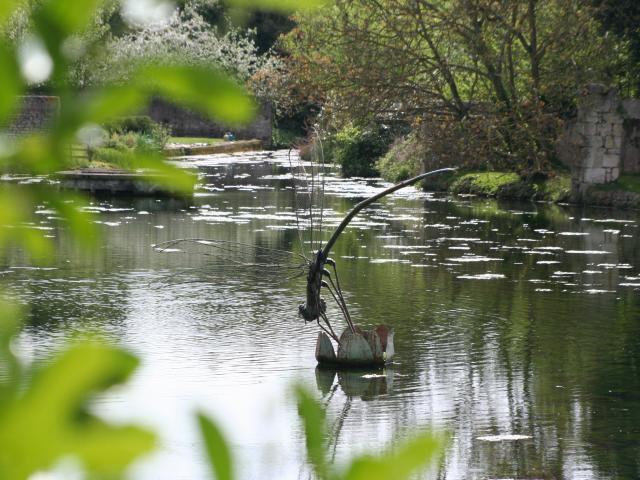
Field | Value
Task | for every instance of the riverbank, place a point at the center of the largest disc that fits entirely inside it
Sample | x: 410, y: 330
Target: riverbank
x: 623, y: 193
x: 183, y: 150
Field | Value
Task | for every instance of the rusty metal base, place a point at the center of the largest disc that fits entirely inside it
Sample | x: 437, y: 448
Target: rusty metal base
x: 364, y: 348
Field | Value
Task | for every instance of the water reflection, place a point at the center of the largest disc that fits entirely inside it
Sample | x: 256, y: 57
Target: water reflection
x: 510, y: 319
x: 366, y: 384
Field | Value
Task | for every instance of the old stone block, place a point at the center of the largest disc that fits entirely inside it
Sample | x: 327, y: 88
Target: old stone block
x: 611, y: 141
x: 631, y: 108
x: 593, y: 159
x: 618, y: 130
x: 613, y: 117
x: 615, y: 173
x: 611, y: 174
x: 595, y: 175
x: 589, y: 128
x: 594, y: 141
x: 610, y: 161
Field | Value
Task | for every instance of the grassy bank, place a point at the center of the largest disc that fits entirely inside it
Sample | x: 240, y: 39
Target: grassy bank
x: 194, y: 140
x: 504, y: 185
x: 626, y: 182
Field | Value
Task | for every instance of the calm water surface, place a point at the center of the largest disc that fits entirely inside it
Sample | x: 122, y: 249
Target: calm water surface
x: 510, y: 319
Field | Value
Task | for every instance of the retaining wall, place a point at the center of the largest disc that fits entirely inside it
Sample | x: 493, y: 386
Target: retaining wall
x: 185, y: 123
x: 34, y: 114
x: 37, y: 111
x: 603, y: 140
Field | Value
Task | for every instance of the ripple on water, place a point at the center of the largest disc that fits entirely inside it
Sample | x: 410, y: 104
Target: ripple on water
x: 482, y: 276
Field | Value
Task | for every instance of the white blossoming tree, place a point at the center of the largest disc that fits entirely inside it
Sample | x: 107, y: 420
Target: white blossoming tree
x: 185, y: 38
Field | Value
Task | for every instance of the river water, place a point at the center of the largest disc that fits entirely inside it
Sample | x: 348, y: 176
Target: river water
x: 517, y: 326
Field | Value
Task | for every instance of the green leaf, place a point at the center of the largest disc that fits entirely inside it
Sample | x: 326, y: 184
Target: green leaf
x: 9, y: 365
x: 313, y: 419
x: 80, y: 222
x: 112, y: 102
x: 7, y: 7
x: 16, y: 222
x: 157, y: 171
x: 51, y: 419
x: 11, y: 86
x: 217, y: 449
x: 69, y: 16
x: 97, y: 107
x: 205, y: 90
x: 278, y: 5
x: 398, y: 463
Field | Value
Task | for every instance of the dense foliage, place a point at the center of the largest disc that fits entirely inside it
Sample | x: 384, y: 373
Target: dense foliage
x: 356, y: 148
x: 496, y: 72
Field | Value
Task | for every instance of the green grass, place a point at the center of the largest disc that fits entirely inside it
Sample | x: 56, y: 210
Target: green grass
x: 510, y: 185
x: 628, y: 182
x: 557, y: 188
x: 484, y: 183
x: 190, y: 140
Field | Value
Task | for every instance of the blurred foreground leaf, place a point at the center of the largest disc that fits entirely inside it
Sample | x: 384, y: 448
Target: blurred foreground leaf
x: 7, y: 7
x: 49, y: 418
x: 399, y: 462
x: 278, y: 5
x: 217, y: 449
x: 313, y: 418
x: 205, y: 90
x: 396, y: 463
x: 66, y: 17
x: 173, y: 178
x: 11, y: 83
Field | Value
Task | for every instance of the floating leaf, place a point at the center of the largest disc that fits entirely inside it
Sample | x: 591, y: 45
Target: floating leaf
x: 217, y: 449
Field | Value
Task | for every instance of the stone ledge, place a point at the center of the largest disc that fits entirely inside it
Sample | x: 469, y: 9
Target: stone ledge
x: 602, y: 198
x: 106, y: 181
x: 224, y: 147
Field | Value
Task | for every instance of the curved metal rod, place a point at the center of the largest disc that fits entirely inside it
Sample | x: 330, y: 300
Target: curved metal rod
x: 331, y: 262
x: 339, y: 299
x: 340, y: 302
x: 370, y: 200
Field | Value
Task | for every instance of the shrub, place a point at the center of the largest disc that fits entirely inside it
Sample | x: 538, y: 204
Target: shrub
x: 356, y: 149
x: 137, y: 131
x: 139, y: 123
x: 521, y: 142
x: 402, y: 161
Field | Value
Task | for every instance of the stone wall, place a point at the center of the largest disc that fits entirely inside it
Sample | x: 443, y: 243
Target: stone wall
x: 604, y: 138
x: 185, y: 123
x: 631, y: 143
x: 34, y: 114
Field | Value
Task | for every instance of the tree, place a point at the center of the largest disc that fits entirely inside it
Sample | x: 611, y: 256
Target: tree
x: 622, y: 18
x: 411, y: 59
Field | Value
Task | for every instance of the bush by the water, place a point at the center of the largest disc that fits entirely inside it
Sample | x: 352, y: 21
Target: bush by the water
x: 520, y: 142
x: 125, y: 136
x: 137, y: 132
x: 356, y: 149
